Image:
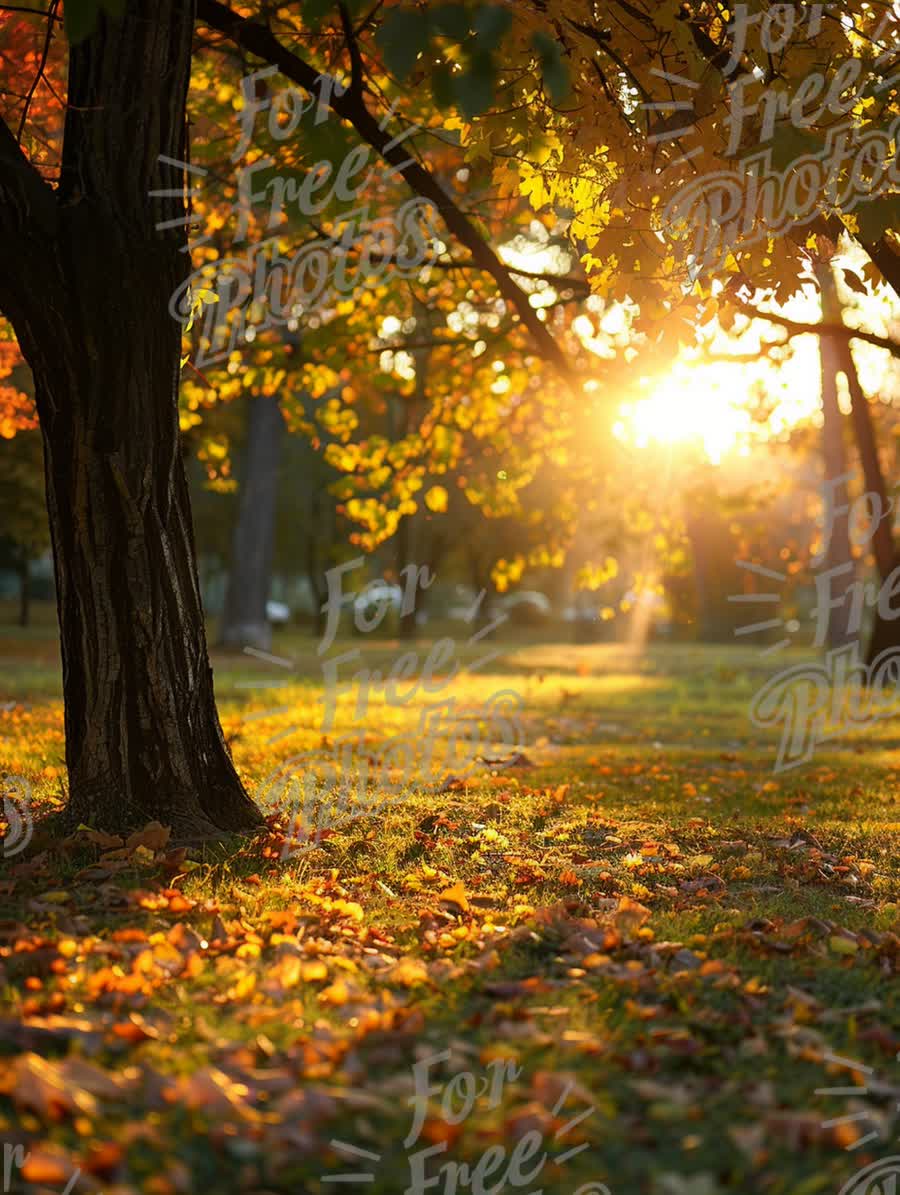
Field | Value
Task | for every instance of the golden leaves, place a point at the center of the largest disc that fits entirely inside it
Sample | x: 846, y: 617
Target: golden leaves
x: 408, y: 973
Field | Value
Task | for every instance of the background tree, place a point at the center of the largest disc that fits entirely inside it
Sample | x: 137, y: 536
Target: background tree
x: 23, y: 508
x: 838, y: 561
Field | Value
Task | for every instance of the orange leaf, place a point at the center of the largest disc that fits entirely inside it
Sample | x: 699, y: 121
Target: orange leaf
x: 456, y: 895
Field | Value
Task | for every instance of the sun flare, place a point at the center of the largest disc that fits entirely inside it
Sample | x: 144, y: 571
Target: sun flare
x: 720, y: 408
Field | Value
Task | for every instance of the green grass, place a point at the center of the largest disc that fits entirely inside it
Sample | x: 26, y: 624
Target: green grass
x: 644, y: 921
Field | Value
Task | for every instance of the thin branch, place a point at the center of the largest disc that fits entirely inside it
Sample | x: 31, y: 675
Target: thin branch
x: 560, y: 281
x: 368, y: 17
x: 37, y: 12
x: 356, y: 64
x: 798, y: 328
x: 766, y: 352
x: 51, y: 12
x: 604, y: 83
x: 636, y: 14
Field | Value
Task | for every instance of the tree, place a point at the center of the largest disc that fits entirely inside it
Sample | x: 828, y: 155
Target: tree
x: 245, y: 621
x: 836, y: 338
x: 86, y: 285
x: 838, y: 557
x: 885, y: 632
x: 23, y: 510
x: 310, y: 536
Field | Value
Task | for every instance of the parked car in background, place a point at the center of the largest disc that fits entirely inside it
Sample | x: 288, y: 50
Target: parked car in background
x: 524, y: 607
x: 278, y: 614
x: 524, y: 597
x: 376, y: 596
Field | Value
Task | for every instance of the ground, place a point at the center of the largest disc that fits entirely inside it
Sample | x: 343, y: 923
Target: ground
x: 633, y: 936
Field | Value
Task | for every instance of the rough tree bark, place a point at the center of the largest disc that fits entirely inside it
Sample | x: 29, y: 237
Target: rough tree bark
x: 86, y: 283
x: 245, y: 622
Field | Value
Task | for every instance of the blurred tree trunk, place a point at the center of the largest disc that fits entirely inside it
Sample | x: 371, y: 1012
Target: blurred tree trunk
x: 315, y: 572
x: 407, y: 412
x: 715, y: 576
x: 245, y: 622
x: 885, y: 633
x: 24, y: 593
x: 480, y: 580
x: 834, y: 453
x: 407, y: 618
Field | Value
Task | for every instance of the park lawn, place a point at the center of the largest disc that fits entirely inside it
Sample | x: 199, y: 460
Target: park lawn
x: 639, y: 940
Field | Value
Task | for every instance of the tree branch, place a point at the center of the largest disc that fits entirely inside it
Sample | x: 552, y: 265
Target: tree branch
x: 560, y: 281
x: 798, y: 328
x: 880, y: 252
x: 356, y: 66
x: 37, y: 12
x: 27, y: 204
x: 886, y: 260
x: 351, y: 107
x: 51, y: 13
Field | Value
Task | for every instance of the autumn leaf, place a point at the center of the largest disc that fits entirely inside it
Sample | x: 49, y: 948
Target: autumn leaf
x: 455, y: 895
x: 436, y: 499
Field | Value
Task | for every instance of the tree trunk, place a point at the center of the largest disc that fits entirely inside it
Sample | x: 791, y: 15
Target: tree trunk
x: 885, y: 633
x: 24, y: 593
x: 245, y: 622
x: 86, y: 284
x: 838, y: 553
x: 314, y: 573
x: 480, y: 580
x: 715, y: 577
x: 883, y: 538
x: 406, y: 619
x: 403, y: 419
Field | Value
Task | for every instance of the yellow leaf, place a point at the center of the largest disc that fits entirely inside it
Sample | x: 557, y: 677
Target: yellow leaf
x: 408, y: 972
x: 842, y: 945
x: 336, y: 993
x: 244, y: 987
x: 436, y: 499
x: 456, y: 894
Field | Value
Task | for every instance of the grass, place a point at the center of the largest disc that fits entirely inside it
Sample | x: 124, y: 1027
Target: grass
x: 641, y: 920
